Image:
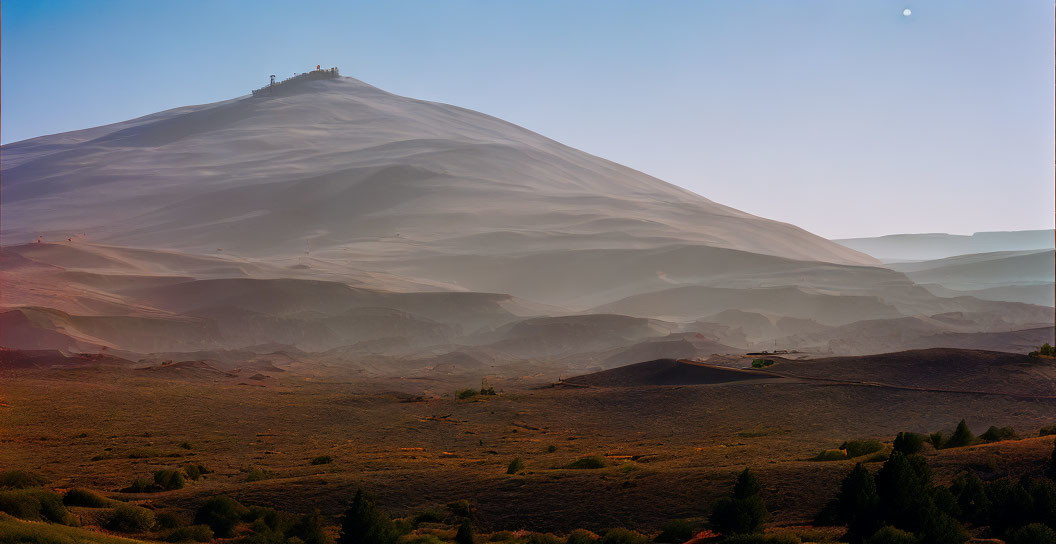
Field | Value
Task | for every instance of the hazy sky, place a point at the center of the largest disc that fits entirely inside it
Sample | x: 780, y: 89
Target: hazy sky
x: 844, y: 117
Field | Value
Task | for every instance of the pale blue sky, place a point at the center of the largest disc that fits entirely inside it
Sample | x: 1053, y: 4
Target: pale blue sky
x: 844, y: 116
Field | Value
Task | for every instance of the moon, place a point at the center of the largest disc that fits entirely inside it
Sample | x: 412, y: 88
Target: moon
x: 907, y: 12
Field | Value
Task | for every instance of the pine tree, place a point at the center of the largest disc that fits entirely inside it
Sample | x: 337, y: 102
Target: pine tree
x: 903, y: 484
x: 744, y: 511
x: 858, y: 504
x: 747, y: 485
x: 1050, y: 470
x: 363, y: 523
x: 961, y: 437
x: 464, y: 534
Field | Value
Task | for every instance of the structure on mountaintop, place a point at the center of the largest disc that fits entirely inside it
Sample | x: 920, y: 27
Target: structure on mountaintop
x: 318, y: 73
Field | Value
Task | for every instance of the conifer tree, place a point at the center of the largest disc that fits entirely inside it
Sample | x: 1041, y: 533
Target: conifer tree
x: 363, y: 523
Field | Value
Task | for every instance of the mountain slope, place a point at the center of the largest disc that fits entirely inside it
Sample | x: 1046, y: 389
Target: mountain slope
x: 364, y: 174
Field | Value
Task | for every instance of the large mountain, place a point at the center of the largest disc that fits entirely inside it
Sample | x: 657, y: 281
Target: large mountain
x: 332, y: 216
x: 346, y: 166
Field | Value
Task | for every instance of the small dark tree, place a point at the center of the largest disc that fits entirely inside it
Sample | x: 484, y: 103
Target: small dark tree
x: 961, y: 437
x: 221, y: 514
x: 747, y: 485
x: 858, y: 505
x: 310, y: 529
x: 909, y: 443
x: 1050, y: 470
x: 464, y: 534
x: 363, y: 523
x: 743, y: 512
x: 515, y: 466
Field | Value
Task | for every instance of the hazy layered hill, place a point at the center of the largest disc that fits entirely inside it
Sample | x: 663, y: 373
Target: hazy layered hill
x: 926, y: 247
x: 363, y: 174
x: 1013, y: 276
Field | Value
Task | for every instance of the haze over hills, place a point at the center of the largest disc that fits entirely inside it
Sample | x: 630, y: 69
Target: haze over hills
x: 393, y: 233
x: 926, y: 247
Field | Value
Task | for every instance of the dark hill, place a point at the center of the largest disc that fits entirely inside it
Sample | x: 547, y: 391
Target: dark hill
x: 664, y: 372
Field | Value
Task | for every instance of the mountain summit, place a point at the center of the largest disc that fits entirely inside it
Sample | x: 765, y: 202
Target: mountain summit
x: 340, y: 166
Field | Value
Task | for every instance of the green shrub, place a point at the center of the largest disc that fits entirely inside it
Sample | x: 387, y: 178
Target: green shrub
x: 364, y: 523
x: 144, y: 453
x: 309, y: 529
x: 85, y: 498
x: 127, y: 518
x: 909, y: 443
x: 432, y: 515
x: 185, y: 445
x: 221, y: 514
x: 460, y: 508
x: 193, y: 472
x: 168, y: 479
x: 760, y: 363
x: 592, y: 462
x: 581, y: 536
x: 676, y: 532
x: 891, y: 535
x: 515, y: 466
x: 191, y: 533
x: 970, y: 493
x: 21, y: 479
x: 830, y: 455
x: 552, y: 448
x: 858, y: 448
x: 169, y: 520
x: 1035, y: 533
x: 255, y: 475
x: 997, y: 434
x: 941, y: 528
x: 463, y: 394
x: 1047, y: 430
x: 623, y: 536
x: 35, y: 505
x: 938, y: 441
x: 322, y: 460
x: 140, y: 485
x: 763, y: 539
x: 542, y: 538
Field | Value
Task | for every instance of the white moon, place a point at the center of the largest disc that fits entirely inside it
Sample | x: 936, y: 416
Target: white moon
x: 907, y: 12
